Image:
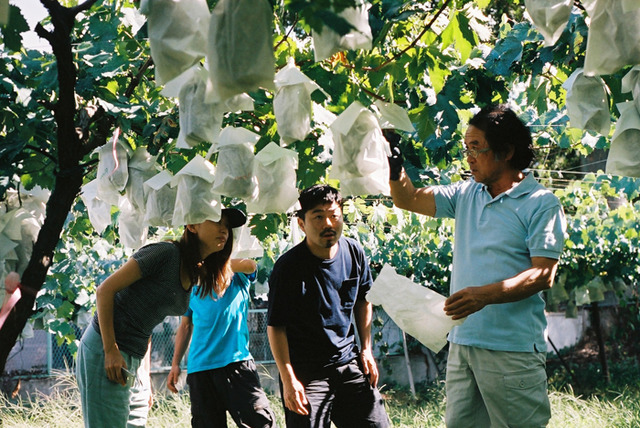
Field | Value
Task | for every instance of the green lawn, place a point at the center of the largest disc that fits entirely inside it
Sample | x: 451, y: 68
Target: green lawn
x: 616, y: 405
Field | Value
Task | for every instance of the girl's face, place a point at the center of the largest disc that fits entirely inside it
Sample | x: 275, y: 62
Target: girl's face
x: 213, y: 235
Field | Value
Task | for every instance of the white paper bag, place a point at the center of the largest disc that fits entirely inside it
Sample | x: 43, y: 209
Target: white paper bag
x: 550, y: 17
x: 417, y: 310
x: 246, y: 246
x: 587, y: 103
x: 98, y: 210
x: 21, y: 227
x: 292, y: 103
x: 177, y: 35
x: 199, y: 122
x: 392, y: 116
x: 240, y: 48
x: 614, y: 37
x: 234, y: 172
x: 624, y: 154
x: 195, y: 199
x: 275, y: 169
x: 327, y: 42
x: 113, y: 170
x: 161, y: 200
x: 132, y: 230
x: 631, y: 83
x: 142, y: 166
x: 360, y: 153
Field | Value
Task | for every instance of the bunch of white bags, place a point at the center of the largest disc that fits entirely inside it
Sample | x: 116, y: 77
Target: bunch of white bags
x: 360, y: 153
x: 177, y: 34
x: 587, y: 103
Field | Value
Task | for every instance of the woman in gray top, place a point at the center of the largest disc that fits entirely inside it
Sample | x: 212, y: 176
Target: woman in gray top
x: 155, y: 283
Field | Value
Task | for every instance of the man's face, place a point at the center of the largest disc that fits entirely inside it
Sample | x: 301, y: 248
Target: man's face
x: 322, y: 225
x: 484, y: 166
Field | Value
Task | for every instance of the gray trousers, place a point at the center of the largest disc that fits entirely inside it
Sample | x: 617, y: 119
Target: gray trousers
x: 105, y: 403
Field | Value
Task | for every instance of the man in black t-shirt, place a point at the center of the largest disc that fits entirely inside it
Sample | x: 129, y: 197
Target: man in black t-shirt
x: 314, y: 289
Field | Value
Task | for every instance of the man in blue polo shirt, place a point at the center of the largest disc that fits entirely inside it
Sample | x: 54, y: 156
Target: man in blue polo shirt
x: 314, y: 289
x: 509, y: 235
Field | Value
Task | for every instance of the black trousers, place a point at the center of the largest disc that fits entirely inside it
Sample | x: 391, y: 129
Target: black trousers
x: 234, y: 388
x: 342, y: 395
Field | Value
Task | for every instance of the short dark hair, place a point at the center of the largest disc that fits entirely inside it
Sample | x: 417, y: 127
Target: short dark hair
x: 316, y: 195
x: 504, y: 130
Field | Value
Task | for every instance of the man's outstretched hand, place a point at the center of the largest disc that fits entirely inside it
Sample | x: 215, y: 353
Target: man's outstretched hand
x: 396, y: 159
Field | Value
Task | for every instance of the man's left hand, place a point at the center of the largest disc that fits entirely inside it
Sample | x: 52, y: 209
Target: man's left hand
x: 369, y: 366
x: 465, y: 302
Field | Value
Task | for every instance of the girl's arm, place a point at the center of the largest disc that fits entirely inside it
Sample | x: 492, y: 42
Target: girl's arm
x: 119, y: 280
x: 244, y: 265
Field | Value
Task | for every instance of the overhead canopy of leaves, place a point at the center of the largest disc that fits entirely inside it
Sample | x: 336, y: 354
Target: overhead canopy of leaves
x: 439, y: 59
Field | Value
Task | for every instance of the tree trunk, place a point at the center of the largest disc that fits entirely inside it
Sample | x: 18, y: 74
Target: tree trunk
x: 602, y: 353
x: 68, y: 177
x: 58, y: 207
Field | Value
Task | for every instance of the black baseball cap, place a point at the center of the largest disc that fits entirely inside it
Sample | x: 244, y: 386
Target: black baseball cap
x: 236, y: 217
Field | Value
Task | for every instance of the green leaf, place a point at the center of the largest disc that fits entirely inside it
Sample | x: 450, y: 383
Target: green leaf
x: 12, y: 32
x: 506, y: 52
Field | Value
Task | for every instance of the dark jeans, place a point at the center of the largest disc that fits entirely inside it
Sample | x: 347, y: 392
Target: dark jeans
x: 342, y: 395
x: 234, y: 388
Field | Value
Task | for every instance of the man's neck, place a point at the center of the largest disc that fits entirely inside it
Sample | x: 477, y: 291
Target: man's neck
x: 506, y: 182
x: 324, y: 253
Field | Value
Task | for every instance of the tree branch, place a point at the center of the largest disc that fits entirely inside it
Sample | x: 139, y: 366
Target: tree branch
x: 42, y: 152
x: 43, y: 33
x: 135, y: 80
x: 82, y: 7
x: 286, y: 36
x: 414, y: 42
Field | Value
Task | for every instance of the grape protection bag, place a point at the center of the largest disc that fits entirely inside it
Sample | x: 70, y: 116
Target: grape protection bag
x: 234, y: 169
x: 587, y: 103
x: 240, y: 48
x: 360, y: 153
x: 328, y: 42
x: 177, y: 34
x: 195, y: 199
x: 275, y: 169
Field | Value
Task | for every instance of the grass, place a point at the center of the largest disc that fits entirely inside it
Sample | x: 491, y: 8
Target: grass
x: 616, y: 405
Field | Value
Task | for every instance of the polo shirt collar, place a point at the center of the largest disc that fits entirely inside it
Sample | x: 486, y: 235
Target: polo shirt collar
x: 527, y: 185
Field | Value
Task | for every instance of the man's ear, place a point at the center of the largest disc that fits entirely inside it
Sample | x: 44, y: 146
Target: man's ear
x: 191, y: 228
x: 510, y: 153
x: 301, y: 224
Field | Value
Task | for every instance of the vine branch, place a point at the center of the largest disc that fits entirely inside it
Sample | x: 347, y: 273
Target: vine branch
x: 415, y: 41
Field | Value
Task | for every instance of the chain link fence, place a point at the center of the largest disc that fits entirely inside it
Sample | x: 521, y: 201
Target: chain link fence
x: 41, y: 354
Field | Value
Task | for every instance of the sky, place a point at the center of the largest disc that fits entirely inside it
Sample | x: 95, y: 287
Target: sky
x: 33, y: 12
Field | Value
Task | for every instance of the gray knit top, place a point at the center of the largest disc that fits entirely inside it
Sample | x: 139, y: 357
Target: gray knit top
x: 145, y: 303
